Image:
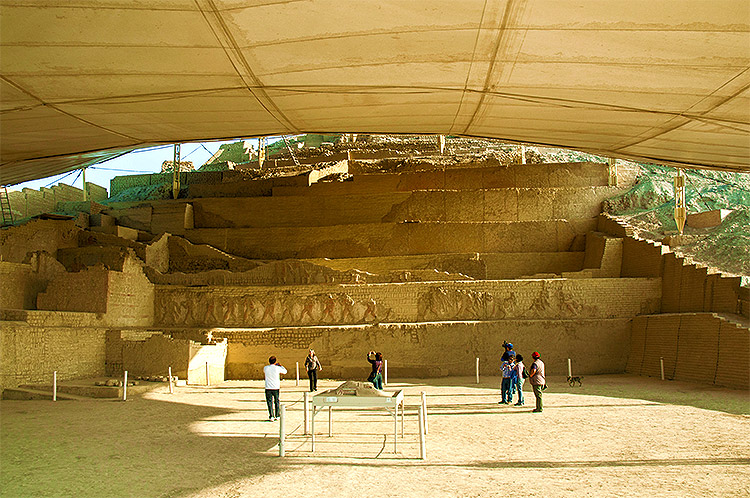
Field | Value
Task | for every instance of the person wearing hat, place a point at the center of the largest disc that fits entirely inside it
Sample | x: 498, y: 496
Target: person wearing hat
x: 537, y: 380
x: 508, y: 349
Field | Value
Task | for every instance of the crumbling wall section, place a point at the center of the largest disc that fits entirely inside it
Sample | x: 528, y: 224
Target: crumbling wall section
x: 37, y: 235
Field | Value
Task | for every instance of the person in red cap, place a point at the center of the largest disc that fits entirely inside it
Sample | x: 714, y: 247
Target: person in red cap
x: 537, y: 380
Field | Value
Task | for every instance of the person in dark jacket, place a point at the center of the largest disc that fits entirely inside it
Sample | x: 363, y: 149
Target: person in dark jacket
x: 376, y: 375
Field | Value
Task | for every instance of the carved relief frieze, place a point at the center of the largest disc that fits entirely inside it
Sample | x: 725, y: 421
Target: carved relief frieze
x: 184, y: 307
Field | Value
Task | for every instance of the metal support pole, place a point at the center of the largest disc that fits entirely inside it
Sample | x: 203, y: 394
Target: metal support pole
x: 424, y: 410
x: 261, y: 152
x: 85, y: 193
x: 176, y: 172
x: 171, y: 386
x: 208, y: 378
x: 661, y: 362
x: 330, y: 421
x: 125, y: 386
x: 54, y: 385
x: 422, y: 442
x: 612, y: 164
x: 570, y: 369
x: 523, y: 154
x: 477, y: 369
x: 305, y: 407
x: 282, y: 431
x: 297, y: 368
x: 680, y: 208
x: 385, y: 372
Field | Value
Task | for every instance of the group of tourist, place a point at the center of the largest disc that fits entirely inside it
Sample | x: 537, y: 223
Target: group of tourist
x: 513, y: 368
x: 515, y: 374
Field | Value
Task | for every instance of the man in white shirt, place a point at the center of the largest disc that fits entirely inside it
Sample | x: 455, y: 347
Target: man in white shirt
x: 272, y: 371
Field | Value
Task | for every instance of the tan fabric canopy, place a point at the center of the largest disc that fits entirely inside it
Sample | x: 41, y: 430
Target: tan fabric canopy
x: 664, y: 81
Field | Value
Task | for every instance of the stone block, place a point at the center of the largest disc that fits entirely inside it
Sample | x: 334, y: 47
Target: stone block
x: 426, y: 205
x: 138, y: 217
x: 117, y: 231
x: 535, y: 204
x: 502, y: 237
x: 464, y: 179
x: 707, y: 219
x: 424, y: 180
x: 464, y: 205
x: 497, y: 178
x: 501, y: 205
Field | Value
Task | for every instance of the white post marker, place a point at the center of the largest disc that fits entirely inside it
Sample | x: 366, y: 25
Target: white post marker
x: 125, y: 386
x: 171, y: 387
x: 477, y: 369
x: 208, y: 378
x: 422, y: 442
x: 570, y: 369
x: 54, y: 385
x: 424, y: 410
x: 312, y: 428
x: 282, y: 431
x: 305, y: 406
x: 661, y: 361
x: 385, y: 372
x: 297, y: 365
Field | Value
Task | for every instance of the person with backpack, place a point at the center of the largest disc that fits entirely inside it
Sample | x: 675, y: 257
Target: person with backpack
x: 521, y: 376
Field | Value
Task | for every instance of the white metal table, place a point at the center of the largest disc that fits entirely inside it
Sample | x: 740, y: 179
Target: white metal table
x: 390, y: 403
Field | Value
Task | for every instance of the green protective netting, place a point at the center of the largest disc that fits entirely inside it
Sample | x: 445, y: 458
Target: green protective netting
x: 649, y: 207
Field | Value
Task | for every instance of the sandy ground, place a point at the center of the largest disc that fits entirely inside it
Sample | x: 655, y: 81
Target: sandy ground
x: 615, y: 436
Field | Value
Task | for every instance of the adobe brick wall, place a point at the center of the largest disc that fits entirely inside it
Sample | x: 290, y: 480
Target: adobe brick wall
x: 547, y: 175
x: 385, y: 239
x: 130, y: 301
x: 154, y: 355
x: 21, y: 283
x: 125, y: 298
x: 84, y: 291
x: 490, y: 266
x: 34, y: 344
x: 525, y: 204
x: 17, y: 286
x: 432, y: 349
x: 404, y: 302
x: 696, y: 347
x: 37, y: 235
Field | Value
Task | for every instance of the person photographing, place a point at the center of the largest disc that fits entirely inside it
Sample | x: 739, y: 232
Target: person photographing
x: 272, y: 373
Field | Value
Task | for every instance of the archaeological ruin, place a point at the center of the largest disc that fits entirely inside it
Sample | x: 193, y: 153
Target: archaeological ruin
x: 416, y: 253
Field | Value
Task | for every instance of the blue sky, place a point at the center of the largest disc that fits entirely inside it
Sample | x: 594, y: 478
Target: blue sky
x: 136, y: 162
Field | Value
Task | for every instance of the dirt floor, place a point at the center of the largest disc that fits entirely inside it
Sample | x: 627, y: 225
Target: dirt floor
x: 617, y: 435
